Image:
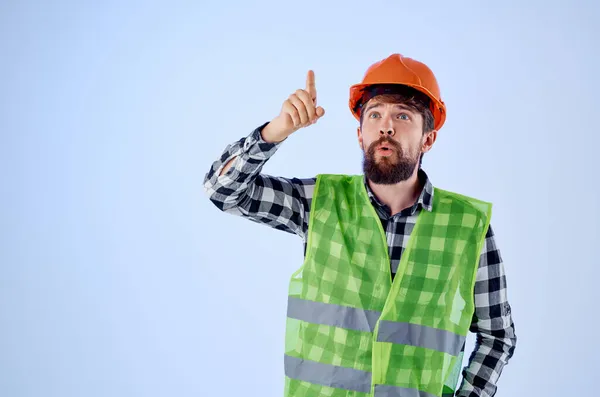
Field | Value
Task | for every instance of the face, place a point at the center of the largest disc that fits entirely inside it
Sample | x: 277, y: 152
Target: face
x: 392, y: 140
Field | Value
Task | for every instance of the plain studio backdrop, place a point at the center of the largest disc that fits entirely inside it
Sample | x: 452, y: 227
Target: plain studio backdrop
x: 118, y: 277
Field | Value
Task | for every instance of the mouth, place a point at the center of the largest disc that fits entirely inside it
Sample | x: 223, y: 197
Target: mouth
x: 384, y: 149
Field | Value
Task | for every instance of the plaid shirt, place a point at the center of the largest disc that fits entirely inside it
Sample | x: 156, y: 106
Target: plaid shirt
x: 284, y: 204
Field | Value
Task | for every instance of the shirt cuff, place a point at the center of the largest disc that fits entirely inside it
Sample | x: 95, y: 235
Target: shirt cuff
x: 257, y: 148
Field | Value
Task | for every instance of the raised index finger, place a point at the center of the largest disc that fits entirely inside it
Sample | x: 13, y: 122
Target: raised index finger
x: 310, y: 85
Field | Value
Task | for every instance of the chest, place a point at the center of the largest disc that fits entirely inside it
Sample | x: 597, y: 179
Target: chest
x: 397, y: 231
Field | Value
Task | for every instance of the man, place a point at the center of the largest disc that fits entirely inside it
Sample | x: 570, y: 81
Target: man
x: 396, y: 272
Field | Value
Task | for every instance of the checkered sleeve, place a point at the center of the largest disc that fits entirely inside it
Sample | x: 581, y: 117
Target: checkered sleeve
x: 493, y: 324
x: 281, y: 203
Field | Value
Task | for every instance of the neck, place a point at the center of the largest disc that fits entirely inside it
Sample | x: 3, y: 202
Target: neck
x: 400, y: 195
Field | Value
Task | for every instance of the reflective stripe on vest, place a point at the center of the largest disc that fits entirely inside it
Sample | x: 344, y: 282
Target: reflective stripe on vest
x: 327, y: 375
x: 343, y: 378
x: 352, y: 332
x: 334, y: 315
x: 365, y: 320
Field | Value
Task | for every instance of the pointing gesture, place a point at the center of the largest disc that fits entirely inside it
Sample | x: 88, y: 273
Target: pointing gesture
x: 298, y: 111
x: 312, y: 92
x: 310, y: 86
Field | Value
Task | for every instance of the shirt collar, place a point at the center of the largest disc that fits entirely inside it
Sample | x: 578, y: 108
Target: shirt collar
x: 425, y: 200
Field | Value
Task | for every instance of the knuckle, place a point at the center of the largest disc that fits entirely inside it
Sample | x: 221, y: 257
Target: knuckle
x: 303, y: 94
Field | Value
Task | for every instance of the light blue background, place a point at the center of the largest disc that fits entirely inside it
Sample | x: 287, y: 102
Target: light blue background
x: 119, y: 278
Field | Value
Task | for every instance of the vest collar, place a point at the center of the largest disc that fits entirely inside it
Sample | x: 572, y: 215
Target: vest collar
x: 425, y: 200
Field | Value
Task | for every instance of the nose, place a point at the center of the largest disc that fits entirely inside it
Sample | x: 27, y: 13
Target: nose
x: 389, y: 131
x: 387, y: 127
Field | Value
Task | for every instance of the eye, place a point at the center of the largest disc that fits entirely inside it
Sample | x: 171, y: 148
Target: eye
x: 404, y: 116
x: 373, y: 115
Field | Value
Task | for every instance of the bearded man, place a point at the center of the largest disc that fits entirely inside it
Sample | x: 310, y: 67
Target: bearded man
x: 396, y: 272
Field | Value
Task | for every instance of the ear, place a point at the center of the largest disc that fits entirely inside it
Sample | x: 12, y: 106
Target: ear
x: 359, y: 136
x: 429, y: 140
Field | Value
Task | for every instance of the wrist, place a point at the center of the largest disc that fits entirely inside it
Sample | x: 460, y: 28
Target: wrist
x: 270, y: 134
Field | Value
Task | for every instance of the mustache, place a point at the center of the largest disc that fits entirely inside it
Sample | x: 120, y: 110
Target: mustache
x: 385, y: 139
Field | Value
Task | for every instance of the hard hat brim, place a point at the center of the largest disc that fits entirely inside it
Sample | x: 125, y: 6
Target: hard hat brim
x: 438, y: 108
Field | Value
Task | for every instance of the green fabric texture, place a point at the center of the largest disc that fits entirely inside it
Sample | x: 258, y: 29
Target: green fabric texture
x: 347, y: 267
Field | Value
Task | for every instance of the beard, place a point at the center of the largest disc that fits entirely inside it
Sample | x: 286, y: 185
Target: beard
x: 388, y: 170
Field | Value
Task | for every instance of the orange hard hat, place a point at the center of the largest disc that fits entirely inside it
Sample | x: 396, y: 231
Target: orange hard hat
x: 398, y: 69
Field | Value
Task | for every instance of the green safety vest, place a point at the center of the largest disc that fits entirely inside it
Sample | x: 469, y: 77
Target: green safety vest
x: 350, y: 330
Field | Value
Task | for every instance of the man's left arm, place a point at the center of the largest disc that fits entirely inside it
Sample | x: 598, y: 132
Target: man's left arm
x: 493, y: 324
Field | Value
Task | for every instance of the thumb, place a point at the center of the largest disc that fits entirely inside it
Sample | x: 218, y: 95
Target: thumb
x: 320, y: 111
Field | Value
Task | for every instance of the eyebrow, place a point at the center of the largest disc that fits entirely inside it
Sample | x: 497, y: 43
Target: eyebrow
x: 397, y: 105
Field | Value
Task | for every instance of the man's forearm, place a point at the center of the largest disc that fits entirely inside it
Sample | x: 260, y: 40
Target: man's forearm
x: 238, y: 166
x: 490, y: 356
x: 493, y: 324
x: 235, y: 185
x: 228, y: 166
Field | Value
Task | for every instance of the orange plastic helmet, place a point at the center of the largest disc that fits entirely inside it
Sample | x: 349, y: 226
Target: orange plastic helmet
x: 398, y: 69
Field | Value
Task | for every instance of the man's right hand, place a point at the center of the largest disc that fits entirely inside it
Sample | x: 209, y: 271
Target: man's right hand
x: 298, y: 111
